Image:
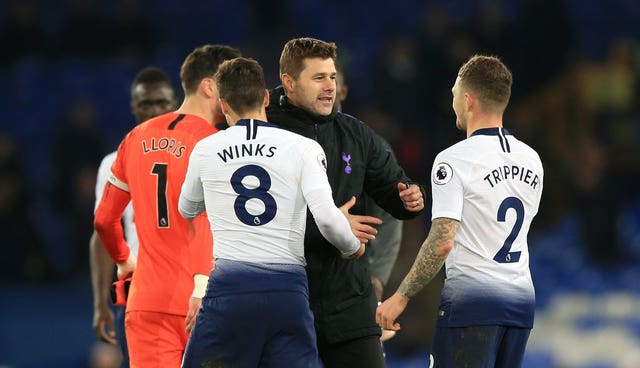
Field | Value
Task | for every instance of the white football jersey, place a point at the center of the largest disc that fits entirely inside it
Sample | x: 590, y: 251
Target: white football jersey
x: 492, y: 183
x: 104, y: 172
x: 256, y: 180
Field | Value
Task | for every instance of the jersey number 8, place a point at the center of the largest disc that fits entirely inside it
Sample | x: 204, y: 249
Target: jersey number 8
x: 261, y: 193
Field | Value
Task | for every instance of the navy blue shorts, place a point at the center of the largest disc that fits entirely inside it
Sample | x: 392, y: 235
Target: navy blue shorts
x: 239, y: 326
x: 479, y: 346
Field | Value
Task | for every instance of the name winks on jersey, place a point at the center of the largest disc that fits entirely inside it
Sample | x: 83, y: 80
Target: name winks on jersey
x: 243, y: 150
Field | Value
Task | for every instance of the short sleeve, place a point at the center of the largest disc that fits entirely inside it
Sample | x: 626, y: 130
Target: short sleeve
x: 314, y: 168
x: 447, y: 190
x: 118, y: 175
x: 104, y: 171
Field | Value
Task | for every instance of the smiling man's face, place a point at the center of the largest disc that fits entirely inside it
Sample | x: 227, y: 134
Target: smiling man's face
x: 315, y: 88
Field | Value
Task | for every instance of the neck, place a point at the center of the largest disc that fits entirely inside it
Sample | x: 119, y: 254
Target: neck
x: 256, y: 115
x: 194, y: 105
x: 483, y: 121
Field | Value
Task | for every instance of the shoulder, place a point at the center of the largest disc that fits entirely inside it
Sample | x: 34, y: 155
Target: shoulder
x: 350, y: 120
x: 108, y: 159
x: 530, y: 150
x: 211, y: 140
x: 300, y: 140
x: 531, y: 154
x: 357, y: 127
x: 456, y: 158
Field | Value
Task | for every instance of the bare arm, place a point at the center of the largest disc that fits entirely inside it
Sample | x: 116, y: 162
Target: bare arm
x: 101, y: 266
x: 431, y: 257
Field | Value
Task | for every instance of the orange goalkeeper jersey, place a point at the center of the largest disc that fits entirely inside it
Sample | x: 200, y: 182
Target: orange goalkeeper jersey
x: 151, y: 164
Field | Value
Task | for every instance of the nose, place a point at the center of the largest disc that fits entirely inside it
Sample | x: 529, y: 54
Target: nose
x: 330, y: 84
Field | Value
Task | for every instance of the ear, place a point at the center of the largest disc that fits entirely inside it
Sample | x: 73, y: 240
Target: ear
x: 208, y: 87
x: 343, y: 92
x: 224, y: 106
x: 470, y: 101
x: 287, y: 82
x: 265, y: 102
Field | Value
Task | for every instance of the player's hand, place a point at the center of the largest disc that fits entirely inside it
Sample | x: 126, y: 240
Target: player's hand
x: 357, y: 254
x: 103, y: 324
x: 390, y: 310
x: 387, y: 335
x: 411, y: 196
x: 126, y: 268
x: 194, y: 306
x: 360, y: 225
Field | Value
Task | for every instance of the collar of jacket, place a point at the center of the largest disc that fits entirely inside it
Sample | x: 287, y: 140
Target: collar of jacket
x: 279, y: 98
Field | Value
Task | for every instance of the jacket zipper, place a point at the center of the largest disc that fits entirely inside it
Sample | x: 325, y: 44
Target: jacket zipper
x: 315, y: 132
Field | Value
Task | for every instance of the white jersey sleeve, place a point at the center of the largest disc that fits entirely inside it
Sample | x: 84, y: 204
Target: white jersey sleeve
x: 446, y: 188
x: 191, y: 201
x: 332, y: 223
x: 104, y: 172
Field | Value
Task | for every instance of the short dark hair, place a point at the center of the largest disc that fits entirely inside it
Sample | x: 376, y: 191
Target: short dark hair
x: 203, y: 63
x: 489, y: 79
x: 240, y: 82
x: 150, y: 75
x: 298, y: 49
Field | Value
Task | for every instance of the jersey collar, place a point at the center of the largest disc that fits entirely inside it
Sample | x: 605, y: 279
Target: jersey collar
x: 490, y: 131
x: 247, y: 122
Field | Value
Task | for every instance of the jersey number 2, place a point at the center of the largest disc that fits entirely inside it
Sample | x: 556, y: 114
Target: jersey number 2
x: 261, y: 193
x: 504, y: 255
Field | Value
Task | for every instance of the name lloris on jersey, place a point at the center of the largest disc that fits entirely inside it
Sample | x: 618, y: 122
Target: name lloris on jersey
x: 170, y: 145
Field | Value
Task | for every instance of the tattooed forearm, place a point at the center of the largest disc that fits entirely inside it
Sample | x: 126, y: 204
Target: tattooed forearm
x: 431, y: 256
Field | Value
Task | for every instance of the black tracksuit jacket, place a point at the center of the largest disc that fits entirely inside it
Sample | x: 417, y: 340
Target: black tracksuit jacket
x: 358, y: 162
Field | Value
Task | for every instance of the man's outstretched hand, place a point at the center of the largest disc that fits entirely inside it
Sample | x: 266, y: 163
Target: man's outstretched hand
x: 360, y: 225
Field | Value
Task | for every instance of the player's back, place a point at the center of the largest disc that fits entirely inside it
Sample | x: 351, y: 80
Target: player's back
x: 501, y: 181
x: 152, y: 161
x: 254, y: 178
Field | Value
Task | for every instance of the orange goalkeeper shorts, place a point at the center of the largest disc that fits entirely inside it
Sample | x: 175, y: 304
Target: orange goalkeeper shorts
x: 155, y: 339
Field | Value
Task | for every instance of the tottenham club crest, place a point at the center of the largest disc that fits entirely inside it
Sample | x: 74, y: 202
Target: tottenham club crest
x: 442, y: 173
x: 322, y: 161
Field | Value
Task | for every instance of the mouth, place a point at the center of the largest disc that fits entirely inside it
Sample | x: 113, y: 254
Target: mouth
x: 326, y: 99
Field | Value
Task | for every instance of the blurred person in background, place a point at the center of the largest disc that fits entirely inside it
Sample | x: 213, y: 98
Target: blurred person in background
x: 486, y: 192
x: 174, y: 255
x: 358, y: 164
x: 151, y: 95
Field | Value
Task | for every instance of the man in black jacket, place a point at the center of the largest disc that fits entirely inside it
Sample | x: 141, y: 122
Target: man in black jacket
x: 358, y: 163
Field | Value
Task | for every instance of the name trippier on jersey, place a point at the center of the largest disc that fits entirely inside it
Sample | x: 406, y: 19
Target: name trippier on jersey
x: 242, y: 150
x: 170, y: 145
x: 512, y: 172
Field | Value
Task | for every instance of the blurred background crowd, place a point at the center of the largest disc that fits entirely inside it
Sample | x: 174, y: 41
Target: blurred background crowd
x: 66, y: 69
